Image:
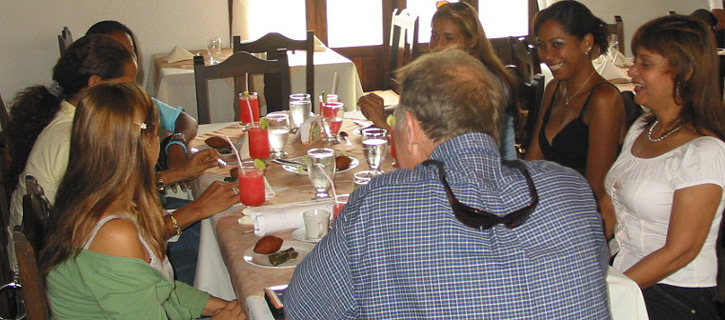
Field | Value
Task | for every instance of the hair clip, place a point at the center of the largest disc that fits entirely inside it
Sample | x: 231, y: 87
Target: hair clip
x: 142, y: 125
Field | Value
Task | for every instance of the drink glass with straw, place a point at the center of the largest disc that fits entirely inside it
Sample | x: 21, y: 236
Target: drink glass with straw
x: 332, y: 115
x: 251, y: 180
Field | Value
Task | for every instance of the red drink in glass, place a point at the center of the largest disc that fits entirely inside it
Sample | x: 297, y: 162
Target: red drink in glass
x: 246, y: 103
x: 251, y: 186
x: 340, y: 202
x: 333, y: 113
x: 258, y: 142
x: 330, y: 98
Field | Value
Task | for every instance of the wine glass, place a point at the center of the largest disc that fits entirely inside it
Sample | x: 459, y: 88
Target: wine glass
x: 321, y: 170
x: 300, y: 107
x: 332, y: 113
x: 214, y: 47
x: 375, y: 147
x: 278, y: 129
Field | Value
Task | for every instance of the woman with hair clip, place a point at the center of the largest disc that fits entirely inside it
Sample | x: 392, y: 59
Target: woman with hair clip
x: 105, y: 254
x: 666, y: 187
x: 456, y: 25
x: 583, y: 123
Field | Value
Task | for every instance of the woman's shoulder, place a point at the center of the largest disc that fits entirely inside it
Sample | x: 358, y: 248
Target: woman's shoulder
x: 119, y: 237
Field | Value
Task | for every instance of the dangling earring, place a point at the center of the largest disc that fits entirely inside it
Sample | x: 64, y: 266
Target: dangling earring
x: 678, y: 95
x: 589, y: 50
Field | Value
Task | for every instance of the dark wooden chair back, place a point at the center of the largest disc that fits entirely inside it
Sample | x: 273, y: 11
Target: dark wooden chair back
x: 65, y: 38
x: 403, y: 41
x: 524, y: 57
x: 617, y: 28
x: 236, y: 66
x: 36, y: 210
x: 32, y: 288
x: 532, y: 94
x: 269, y: 44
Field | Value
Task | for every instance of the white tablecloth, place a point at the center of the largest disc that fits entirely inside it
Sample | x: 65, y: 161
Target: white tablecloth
x: 176, y: 86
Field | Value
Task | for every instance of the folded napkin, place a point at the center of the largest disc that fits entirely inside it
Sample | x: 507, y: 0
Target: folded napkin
x: 310, y: 131
x: 607, y: 69
x: 616, y: 57
x: 178, y: 54
x: 319, y: 46
x: 281, y: 217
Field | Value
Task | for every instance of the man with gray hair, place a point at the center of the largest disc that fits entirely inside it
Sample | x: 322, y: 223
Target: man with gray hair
x: 456, y: 233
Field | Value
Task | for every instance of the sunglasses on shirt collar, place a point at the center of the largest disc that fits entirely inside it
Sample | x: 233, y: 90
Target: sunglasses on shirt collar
x: 480, y: 219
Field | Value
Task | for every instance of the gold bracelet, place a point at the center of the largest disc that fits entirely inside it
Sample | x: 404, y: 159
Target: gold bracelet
x: 175, y: 222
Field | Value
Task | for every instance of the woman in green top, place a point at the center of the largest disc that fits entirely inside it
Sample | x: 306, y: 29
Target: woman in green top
x: 105, y: 254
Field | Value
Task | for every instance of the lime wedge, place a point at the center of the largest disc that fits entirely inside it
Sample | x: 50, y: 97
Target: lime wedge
x: 324, y: 97
x: 260, y: 164
x: 390, y: 120
x: 263, y: 123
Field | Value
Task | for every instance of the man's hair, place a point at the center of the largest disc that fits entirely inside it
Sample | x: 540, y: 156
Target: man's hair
x: 451, y: 93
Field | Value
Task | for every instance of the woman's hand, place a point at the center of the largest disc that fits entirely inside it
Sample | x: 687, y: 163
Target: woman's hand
x: 232, y: 310
x: 218, y: 197
x: 372, y: 107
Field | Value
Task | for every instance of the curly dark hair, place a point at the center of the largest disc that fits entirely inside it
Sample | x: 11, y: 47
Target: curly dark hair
x: 577, y: 20
x: 34, y: 107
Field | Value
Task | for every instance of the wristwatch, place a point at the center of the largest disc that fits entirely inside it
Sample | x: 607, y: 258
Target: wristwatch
x: 160, y: 182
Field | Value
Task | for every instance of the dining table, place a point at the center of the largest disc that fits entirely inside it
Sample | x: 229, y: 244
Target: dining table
x: 224, y: 268
x: 173, y: 83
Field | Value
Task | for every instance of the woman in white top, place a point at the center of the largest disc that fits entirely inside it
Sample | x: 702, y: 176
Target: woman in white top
x: 105, y: 255
x: 666, y: 187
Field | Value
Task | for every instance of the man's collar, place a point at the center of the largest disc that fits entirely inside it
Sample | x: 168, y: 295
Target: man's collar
x: 466, y: 143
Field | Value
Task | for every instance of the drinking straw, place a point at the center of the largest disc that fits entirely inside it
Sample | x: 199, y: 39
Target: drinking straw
x: 236, y: 152
x: 247, y: 97
x: 332, y: 183
x: 335, y: 79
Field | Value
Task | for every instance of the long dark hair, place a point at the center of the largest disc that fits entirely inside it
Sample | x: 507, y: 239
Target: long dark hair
x: 113, y: 132
x: 34, y: 107
x: 110, y: 27
x: 689, y: 46
x: 577, y: 20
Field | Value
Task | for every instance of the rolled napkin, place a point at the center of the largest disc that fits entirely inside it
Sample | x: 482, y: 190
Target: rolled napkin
x: 258, y: 308
x: 280, y: 217
x: 178, y: 54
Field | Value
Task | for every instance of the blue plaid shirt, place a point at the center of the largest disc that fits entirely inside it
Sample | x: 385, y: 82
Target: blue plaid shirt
x: 398, y: 252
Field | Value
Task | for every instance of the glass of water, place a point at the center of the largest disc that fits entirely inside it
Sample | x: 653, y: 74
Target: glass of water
x: 300, y: 107
x: 321, y: 170
x: 278, y: 129
x: 375, y: 147
x: 214, y: 47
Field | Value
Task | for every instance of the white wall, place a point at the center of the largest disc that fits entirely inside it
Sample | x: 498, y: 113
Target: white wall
x: 30, y: 28
x: 637, y: 12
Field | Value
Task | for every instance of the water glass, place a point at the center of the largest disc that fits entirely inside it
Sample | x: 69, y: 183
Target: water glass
x: 278, y: 130
x: 214, y: 48
x: 321, y: 170
x: 251, y: 184
x: 332, y: 115
x: 362, y: 178
x: 300, y: 107
x: 375, y: 147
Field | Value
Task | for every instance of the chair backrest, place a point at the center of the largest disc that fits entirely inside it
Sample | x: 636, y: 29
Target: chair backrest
x: 65, y: 38
x: 36, y: 209
x: 403, y: 41
x: 272, y: 42
x: 32, y: 288
x: 633, y: 110
x: 533, y: 96
x: 617, y: 28
x: 524, y: 57
x: 236, y: 66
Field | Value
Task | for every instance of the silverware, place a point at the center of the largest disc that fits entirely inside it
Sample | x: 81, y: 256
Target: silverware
x: 344, y: 136
x: 290, y: 162
x: 362, y: 123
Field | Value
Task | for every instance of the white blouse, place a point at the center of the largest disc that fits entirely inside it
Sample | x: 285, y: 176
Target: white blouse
x: 642, y: 191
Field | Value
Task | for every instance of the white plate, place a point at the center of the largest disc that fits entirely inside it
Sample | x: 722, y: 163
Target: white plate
x: 262, y: 261
x: 301, y: 234
x: 353, y: 163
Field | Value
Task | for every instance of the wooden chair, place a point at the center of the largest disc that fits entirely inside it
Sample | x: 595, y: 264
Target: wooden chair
x: 269, y: 44
x: 403, y: 41
x: 32, y: 288
x: 236, y: 66
x: 65, y: 38
x: 36, y: 210
x: 524, y: 57
x: 532, y: 94
x: 617, y: 28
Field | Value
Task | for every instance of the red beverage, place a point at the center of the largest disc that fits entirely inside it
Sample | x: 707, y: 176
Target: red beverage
x: 251, y: 187
x: 258, y: 142
x: 330, y: 98
x: 332, y: 113
x: 392, y: 144
x: 335, y: 125
x: 245, y: 102
x: 340, y: 202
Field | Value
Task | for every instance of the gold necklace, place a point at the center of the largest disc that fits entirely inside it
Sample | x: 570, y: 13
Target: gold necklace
x: 567, y: 97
